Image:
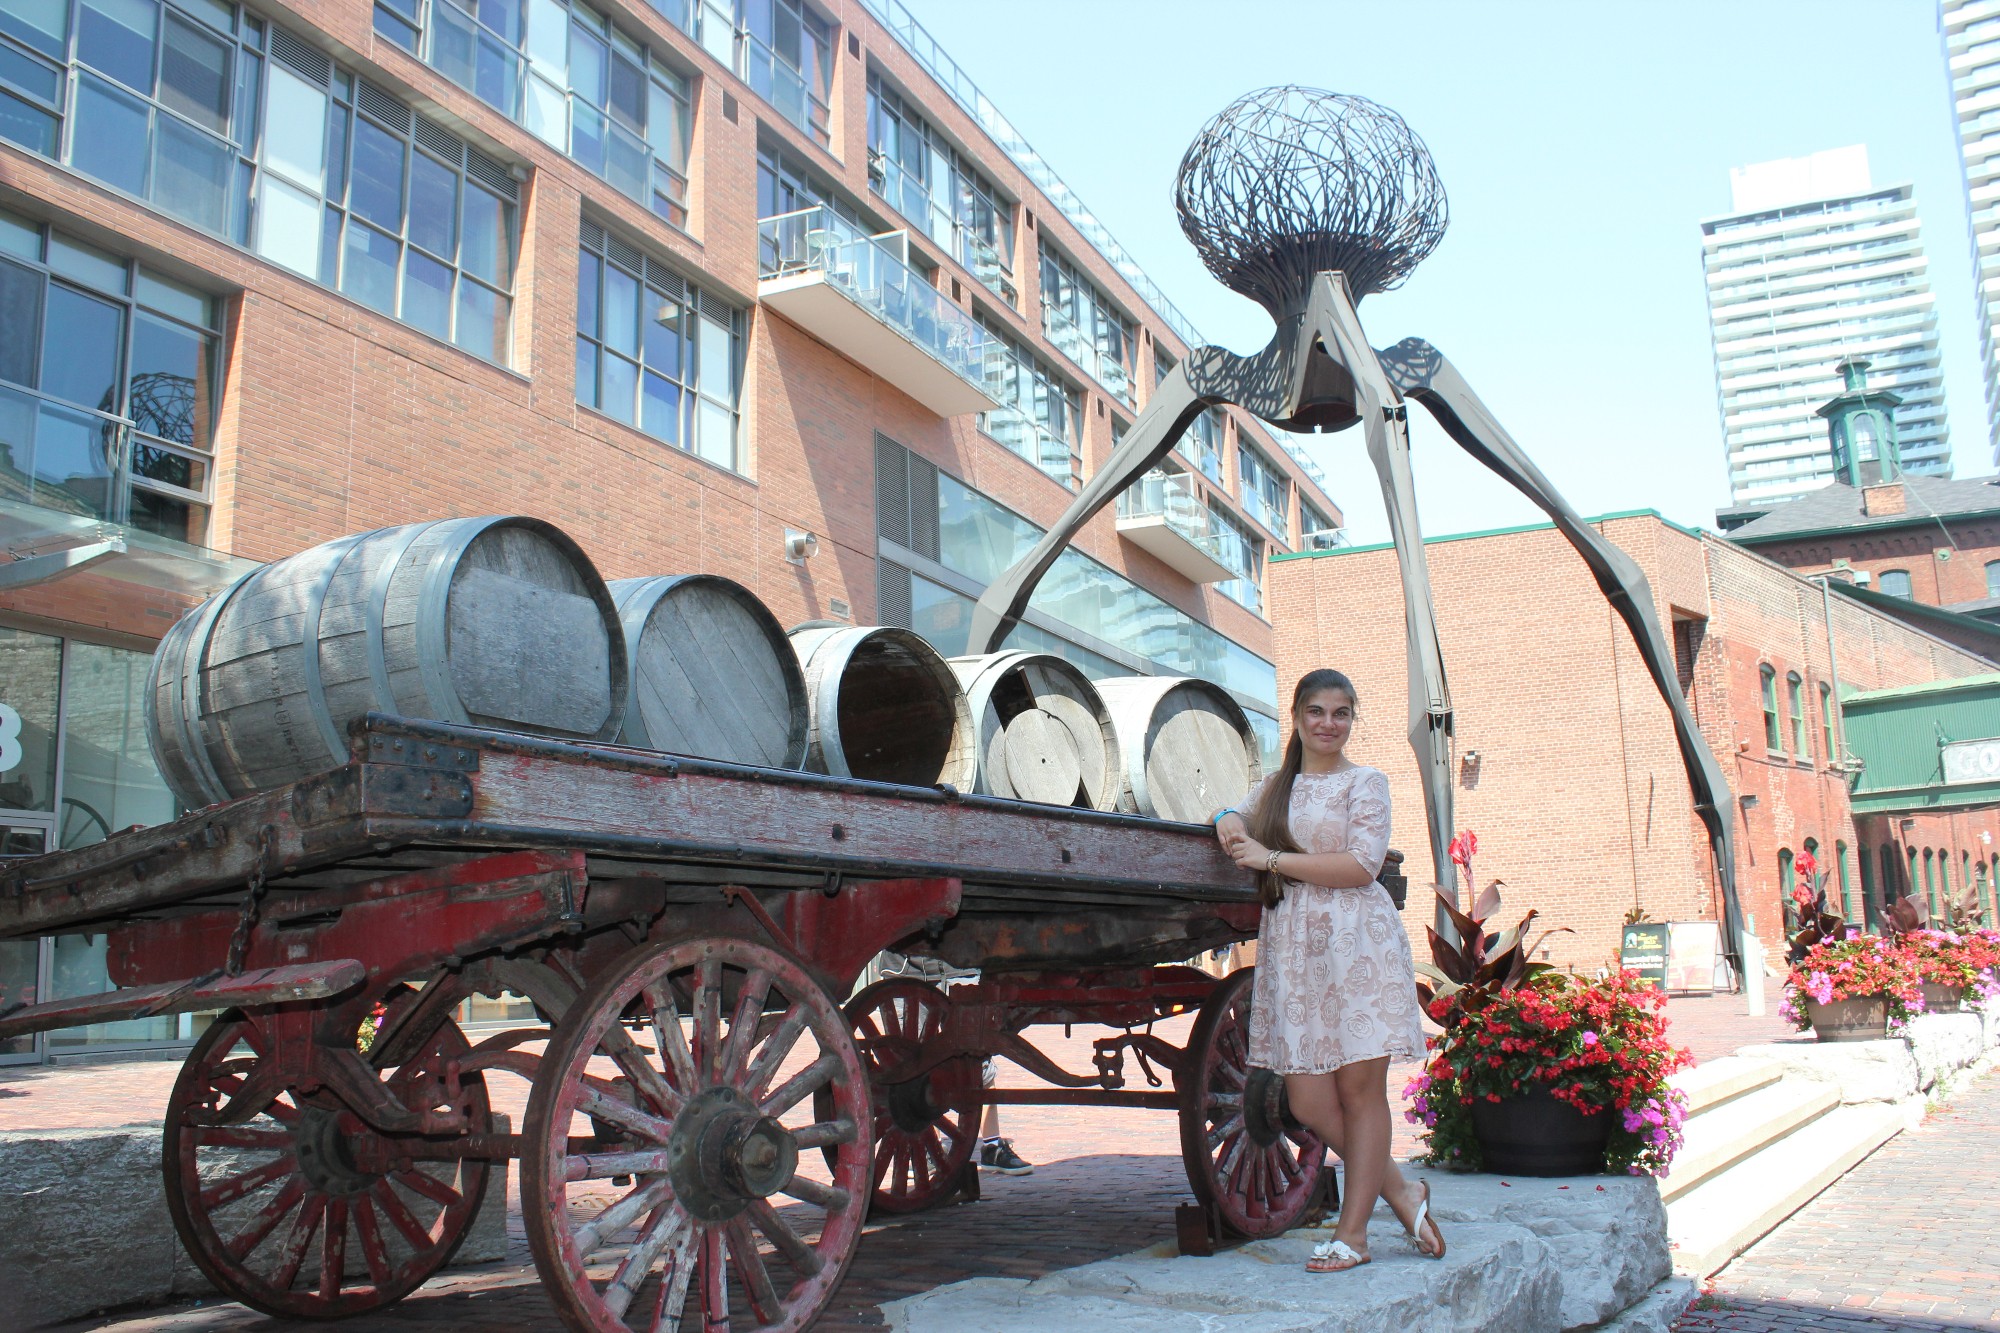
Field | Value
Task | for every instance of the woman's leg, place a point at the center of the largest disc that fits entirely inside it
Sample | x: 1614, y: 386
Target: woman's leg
x: 1315, y: 1102
x: 1363, y: 1088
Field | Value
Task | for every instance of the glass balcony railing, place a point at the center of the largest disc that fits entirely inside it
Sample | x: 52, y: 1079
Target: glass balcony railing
x: 1270, y: 516
x: 1173, y: 496
x: 817, y: 240
x: 774, y: 79
x: 1071, y: 340
x: 908, y: 195
x: 1033, y: 441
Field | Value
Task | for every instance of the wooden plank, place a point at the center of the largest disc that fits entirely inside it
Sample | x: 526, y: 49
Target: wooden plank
x: 274, y: 985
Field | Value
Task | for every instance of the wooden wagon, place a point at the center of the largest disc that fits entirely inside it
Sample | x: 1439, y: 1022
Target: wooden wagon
x: 707, y: 1126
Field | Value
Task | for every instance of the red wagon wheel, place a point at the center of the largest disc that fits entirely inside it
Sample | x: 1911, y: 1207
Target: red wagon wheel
x: 1244, y: 1154
x: 291, y: 1204
x: 652, y: 1165
x: 925, y: 1127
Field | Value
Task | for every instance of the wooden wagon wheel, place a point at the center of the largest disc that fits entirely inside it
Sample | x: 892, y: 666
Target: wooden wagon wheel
x: 926, y: 1127
x: 710, y: 1107
x: 294, y: 1206
x: 1244, y: 1154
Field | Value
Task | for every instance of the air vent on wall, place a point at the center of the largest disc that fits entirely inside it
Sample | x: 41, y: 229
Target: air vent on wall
x: 301, y: 58
x: 892, y: 594
x: 593, y: 235
x: 442, y: 142
x: 492, y: 175
x: 892, y: 491
x: 381, y: 106
x: 923, y: 507
x: 729, y: 107
x: 625, y: 256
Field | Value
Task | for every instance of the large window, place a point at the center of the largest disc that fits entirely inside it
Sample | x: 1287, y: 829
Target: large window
x: 1795, y: 694
x: 1993, y: 578
x: 236, y: 127
x: 785, y: 53
x: 1826, y: 724
x: 1083, y: 324
x: 1243, y: 553
x: 568, y: 75
x: 1040, y: 416
x: 935, y: 186
x: 109, y: 375
x: 656, y: 352
x: 1896, y: 582
x: 1202, y: 444
x: 1266, y: 493
x: 1768, y: 680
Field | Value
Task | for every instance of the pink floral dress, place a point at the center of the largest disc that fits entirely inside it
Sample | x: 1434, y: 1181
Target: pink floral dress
x: 1335, y: 980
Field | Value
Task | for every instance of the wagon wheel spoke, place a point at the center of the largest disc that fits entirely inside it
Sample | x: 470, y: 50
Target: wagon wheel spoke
x: 374, y: 1252
x: 786, y: 1241
x: 266, y: 1220
x: 646, y: 1078
x: 826, y: 1133
x: 743, y: 1024
x: 333, y: 1250
x: 794, y: 1089
x: 639, y: 1260
x: 674, y: 1290
x: 776, y: 1048
x: 748, y: 1261
x: 707, y: 1020
x: 642, y: 1199
x: 293, y: 1253
x: 924, y: 1126
x: 672, y: 1040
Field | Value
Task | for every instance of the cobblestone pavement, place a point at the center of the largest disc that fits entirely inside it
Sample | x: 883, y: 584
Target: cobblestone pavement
x: 1106, y: 1183
x: 1904, y: 1241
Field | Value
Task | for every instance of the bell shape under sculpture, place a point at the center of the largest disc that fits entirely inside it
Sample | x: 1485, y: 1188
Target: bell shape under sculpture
x: 1289, y: 182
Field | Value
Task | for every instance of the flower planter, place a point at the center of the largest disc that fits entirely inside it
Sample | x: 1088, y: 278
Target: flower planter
x: 1865, y: 1018
x: 1533, y: 1134
x: 1942, y: 999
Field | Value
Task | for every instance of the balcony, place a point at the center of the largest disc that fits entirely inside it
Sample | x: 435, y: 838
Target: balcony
x: 67, y: 501
x: 1070, y: 339
x: 1164, y: 514
x: 855, y: 294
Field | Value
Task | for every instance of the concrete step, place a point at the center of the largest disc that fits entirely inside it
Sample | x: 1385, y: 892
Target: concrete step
x: 1720, y: 1218
x: 1725, y: 1133
x: 1716, y: 1081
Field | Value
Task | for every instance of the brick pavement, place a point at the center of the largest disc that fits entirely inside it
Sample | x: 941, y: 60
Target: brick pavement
x: 1904, y: 1241
x: 1106, y: 1184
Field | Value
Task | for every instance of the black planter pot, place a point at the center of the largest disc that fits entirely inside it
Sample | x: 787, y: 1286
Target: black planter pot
x: 1533, y: 1134
x: 1864, y: 1018
x: 1942, y: 999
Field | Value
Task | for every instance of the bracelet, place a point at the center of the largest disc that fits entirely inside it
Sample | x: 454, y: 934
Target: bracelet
x: 1271, y: 862
x: 1216, y: 818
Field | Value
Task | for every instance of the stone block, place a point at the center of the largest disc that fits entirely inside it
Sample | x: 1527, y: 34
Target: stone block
x: 1656, y: 1311
x: 1942, y: 1044
x: 1863, y: 1071
x: 1495, y: 1279
x: 1608, y: 1233
x: 83, y: 1224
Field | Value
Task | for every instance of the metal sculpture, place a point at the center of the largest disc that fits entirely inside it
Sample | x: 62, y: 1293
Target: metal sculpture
x: 1306, y: 201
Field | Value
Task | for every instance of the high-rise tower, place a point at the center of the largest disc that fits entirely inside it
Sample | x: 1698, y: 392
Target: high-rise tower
x: 1812, y: 265
x: 1971, y: 31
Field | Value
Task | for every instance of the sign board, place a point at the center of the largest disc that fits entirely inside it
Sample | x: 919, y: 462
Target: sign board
x: 1972, y: 761
x: 1643, y: 949
x: 1692, y: 949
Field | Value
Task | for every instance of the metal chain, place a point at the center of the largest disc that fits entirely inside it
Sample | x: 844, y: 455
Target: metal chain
x: 246, y: 920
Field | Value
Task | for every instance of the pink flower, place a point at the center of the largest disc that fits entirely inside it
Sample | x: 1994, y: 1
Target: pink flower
x: 1464, y: 847
x: 1590, y: 1039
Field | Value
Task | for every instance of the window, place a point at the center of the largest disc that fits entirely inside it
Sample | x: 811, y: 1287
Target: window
x: 1311, y: 521
x: 932, y: 184
x: 1163, y: 364
x: 1930, y: 883
x: 1993, y: 578
x: 1242, y: 552
x: 1085, y: 327
x: 1896, y: 582
x: 1833, y: 755
x: 1202, y: 444
x: 654, y: 352
x: 109, y: 379
x: 1795, y: 692
x: 786, y: 56
x: 1266, y: 494
x: 1787, y: 881
x: 1040, y: 416
x: 575, y: 81
x: 1772, y: 739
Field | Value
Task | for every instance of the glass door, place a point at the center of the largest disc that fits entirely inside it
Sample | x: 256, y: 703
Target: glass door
x: 21, y: 960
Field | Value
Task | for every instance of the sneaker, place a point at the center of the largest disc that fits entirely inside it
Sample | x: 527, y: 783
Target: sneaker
x: 999, y: 1155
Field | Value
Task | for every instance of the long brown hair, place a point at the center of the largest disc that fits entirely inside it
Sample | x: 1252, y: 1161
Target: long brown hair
x: 1271, y: 822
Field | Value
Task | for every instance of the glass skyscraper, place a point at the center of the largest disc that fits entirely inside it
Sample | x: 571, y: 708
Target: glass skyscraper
x: 1971, y: 30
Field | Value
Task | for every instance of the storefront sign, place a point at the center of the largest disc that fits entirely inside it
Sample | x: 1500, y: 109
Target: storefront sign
x: 1972, y: 761
x: 1692, y: 947
x: 1644, y: 950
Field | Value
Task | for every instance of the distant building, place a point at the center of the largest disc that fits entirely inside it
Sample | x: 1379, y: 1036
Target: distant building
x: 1812, y: 264
x: 1971, y: 30
x: 1916, y: 547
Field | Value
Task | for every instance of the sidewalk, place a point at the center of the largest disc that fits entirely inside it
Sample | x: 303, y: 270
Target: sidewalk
x: 1106, y: 1184
x: 1904, y: 1241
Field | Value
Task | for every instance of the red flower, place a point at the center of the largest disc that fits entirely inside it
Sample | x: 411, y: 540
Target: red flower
x: 1806, y: 864
x: 1464, y: 847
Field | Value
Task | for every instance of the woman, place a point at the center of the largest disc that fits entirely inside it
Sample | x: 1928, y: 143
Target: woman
x: 1335, y: 996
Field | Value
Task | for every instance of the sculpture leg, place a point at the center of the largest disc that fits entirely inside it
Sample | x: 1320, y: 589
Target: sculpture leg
x: 1385, y: 420
x: 1172, y: 408
x: 1423, y: 373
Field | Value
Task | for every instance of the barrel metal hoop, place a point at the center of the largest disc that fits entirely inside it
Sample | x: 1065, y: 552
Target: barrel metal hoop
x: 634, y: 605
x: 378, y: 604
x: 309, y: 643
x: 434, y: 609
x: 826, y: 699
x: 194, y: 740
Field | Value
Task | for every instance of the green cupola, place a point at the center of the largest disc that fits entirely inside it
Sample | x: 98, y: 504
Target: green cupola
x: 1861, y: 427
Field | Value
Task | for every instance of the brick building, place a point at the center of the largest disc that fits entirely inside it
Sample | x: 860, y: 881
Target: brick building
x: 1566, y: 762
x: 681, y: 277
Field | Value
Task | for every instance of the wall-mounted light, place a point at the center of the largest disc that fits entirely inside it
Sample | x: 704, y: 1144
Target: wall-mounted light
x: 799, y: 546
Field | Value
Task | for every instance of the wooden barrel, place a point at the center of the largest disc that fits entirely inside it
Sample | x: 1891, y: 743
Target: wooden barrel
x: 1043, y: 731
x: 884, y: 706
x: 497, y: 622
x: 712, y: 673
x: 1188, y: 748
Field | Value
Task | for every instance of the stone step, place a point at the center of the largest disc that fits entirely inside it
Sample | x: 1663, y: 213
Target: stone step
x: 1719, y: 1218
x: 1717, y: 1081
x: 1725, y: 1133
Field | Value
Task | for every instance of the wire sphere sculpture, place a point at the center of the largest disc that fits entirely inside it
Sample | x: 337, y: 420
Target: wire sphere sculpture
x: 1289, y: 182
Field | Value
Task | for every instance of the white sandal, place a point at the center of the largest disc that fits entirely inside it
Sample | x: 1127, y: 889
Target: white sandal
x: 1416, y: 1227
x: 1335, y: 1256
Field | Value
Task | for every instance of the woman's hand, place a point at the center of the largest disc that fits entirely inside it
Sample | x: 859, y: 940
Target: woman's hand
x: 1229, y: 828
x: 1247, y: 852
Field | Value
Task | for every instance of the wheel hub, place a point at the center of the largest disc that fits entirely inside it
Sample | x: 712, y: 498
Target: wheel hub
x: 724, y: 1152
x: 326, y: 1155
x: 912, y: 1107
x: 1265, y: 1113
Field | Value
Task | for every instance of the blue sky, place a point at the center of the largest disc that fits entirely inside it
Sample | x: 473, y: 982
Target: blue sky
x: 1580, y: 144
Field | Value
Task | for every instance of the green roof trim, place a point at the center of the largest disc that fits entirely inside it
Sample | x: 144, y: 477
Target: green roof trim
x: 1862, y: 698
x: 1915, y: 612
x: 1486, y: 532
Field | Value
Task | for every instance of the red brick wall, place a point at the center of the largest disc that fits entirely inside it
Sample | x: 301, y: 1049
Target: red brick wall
x: 1578, y: 796
x: 1946, y: 561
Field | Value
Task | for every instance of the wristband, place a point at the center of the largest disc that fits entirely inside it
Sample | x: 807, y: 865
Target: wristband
x: 1271, y: 862
x: 1216, y: 818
